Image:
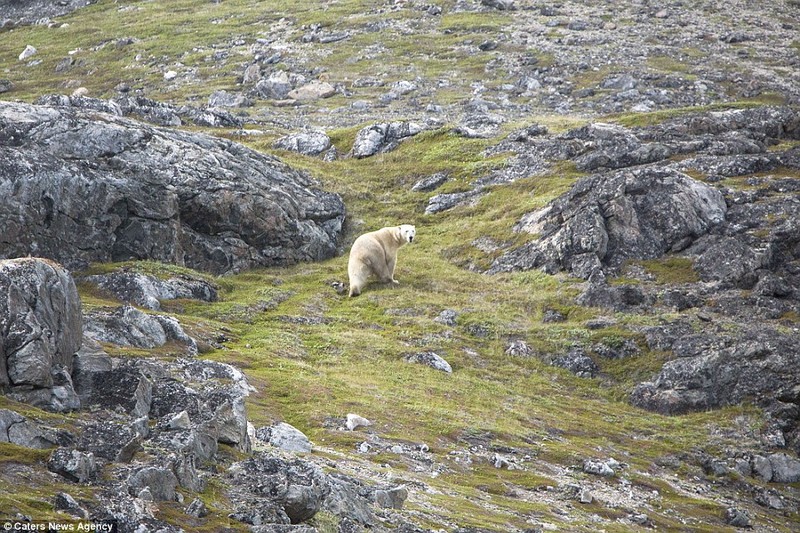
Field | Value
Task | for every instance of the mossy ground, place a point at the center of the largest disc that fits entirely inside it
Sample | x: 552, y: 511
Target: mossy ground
x: 315, y: 355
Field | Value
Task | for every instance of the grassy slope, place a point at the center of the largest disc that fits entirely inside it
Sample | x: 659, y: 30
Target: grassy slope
x: 351, y: 359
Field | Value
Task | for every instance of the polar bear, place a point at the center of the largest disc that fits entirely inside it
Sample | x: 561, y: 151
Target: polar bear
x: 375, y: 253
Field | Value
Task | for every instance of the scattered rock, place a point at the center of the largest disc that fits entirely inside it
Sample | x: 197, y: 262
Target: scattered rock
x: 147, y: 291
x: 312, y: 91
x: 287, y: 492
x: 502, y: 5
x: 276, y: 86
x: 737, y: 518
x: 197, y: 509
x: 65, y: 502
x: 550, y: 316
x: 430, y: 183
x: 285, y: 437
x: 785, y: 469
x: 41, y: 310
x: 519, y: 348
x: 160, y: 482
x: 714, y: 370
x: 123, y: 387
x: 578, y: 362
x: 128, y: 326
x: 179, y: 421
x: 430, y: 359
x: 444, y: 202
x: 392, y: 498
x: 183, y: 211
x: 226, y: 99
x: 383, y: 137
x: 600, y: 468
x: 306, y: 143
x: 73, y: 464
x: 448, y: 317
x: 607, y: 219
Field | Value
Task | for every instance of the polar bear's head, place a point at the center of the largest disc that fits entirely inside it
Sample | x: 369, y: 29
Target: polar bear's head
x: 408, y: 232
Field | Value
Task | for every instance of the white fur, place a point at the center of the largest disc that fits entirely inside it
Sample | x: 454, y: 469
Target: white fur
x: 375, y: 254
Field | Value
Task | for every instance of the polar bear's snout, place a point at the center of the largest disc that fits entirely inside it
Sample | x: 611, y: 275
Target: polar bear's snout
x: 408, y: 232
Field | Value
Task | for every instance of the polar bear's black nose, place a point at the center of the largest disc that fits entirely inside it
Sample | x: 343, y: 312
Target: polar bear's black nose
x: 410, y: 238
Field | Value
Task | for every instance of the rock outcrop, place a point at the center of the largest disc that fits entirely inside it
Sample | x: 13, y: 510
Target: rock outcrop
x: 90, y: 187
x: 650, y: 207
x: 40, y: 332
x: 181, y: 411
x: 607, y: 219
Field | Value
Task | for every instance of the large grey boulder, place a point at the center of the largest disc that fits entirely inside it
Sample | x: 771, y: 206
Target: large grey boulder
x: 128, y: 326
x: 147, y: 291
x: 714, y: 370
x: 383, y: 137
x: 80, y: 186
x: 306, y: 143
x: 286, y: 437
x: 271, y: 490
x: 73, y: 465
x: 40, y: 331
x: 606, y: 219
x: 17, y: 429
x: 123, y: 388
x: 160, y: 482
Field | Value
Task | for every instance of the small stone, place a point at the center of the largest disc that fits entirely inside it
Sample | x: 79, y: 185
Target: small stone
x: 447, y: 317
x: 251, y: 74
x: 153, y: 484
x: 313, y: 91
x: 392, y: 498
x: 430, y: 359
x: 74, y: 465
x: 551, y: 316
x: 737, y: 518
x: 170, y: 75
x: 430, y: 183
x: 197, y: 509
x: 600, y: 323
x: 519, y: 348
x: 500, y: 462
x: 785, y: 469
x: 288, y: 438
x: 65, y: 502
x: 598, y: 468
x: 704, y: 316
x: 585, y: 496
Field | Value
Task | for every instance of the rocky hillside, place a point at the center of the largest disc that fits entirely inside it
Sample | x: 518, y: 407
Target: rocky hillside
x: 596, y: 328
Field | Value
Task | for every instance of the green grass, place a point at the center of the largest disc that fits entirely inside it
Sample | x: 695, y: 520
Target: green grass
x: 349, y: 358
x: 671, y: 269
